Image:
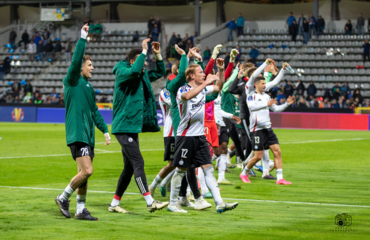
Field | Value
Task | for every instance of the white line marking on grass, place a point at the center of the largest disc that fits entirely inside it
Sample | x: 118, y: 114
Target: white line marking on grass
x: 329, y: 140
x: 234, y: 199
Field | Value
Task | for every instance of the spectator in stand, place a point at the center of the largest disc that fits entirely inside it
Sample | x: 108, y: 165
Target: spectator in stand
x: 173, y: 40
x: 334, y: 104
x: 311, y: 90
x: 358, y: 95
x: 345, y: 91
x: 283, y: 100
x: 336, y: 94
x: 179, y: 39
x: 12, y: 37
x: 91, y: 35
x: 168, y: 65
x: 361, y: 24
x: 327, y: 94
x: 104, y: 99
x: 16, y: 89
x: 366, y: 47
x: 325, y: 103
x: 334, y: 89
x: 2, y: 70
x: 293, y: 29
x: 37, y: 99
x: 253, y: 54
x: 240, y: 24
x: 341, y: 102
x: 7, y: 67
x: 34, y: 33
x: 366, y: 103
x: 302, y: 103
x: 46, y: 34
x: 58, y: 51
x: 28, y: 88
x: 300, y: 24
x: 301, y: 87
x: 306, y: 29
x: 45, y: 41
x: 185, y: 40
x: 189, y: 46
x: 37, y: 39
x: 40, y: 50
x: 311, y: 27
x: 357, y: 102
x: 348, y: 28
x: 280, y: 96
x: 31, y: 51
x: 206, y: 56
x: 98, y: 31
x: 25, y: 39
x: 27, y: 98
x: 49, y: 48
x: 155, y: 33
x: 320, y: 26
x: 135, y: 37
x: 159, y: 26
x: 232, y: 26
x: 150, y: 25
x: 290, y: 20
x: 149, y: 46
x: 288, y: 89
x: 67, y: 51
x: 198, y: 45
x: 194, y: 37
x: 53, y: 95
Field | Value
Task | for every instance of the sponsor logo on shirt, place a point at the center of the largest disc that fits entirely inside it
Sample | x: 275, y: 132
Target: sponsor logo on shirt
x: 250, y: 98
x: 183, y: 89
x: 200, y: 104
x: 166, y: 94
x: 87, y: 85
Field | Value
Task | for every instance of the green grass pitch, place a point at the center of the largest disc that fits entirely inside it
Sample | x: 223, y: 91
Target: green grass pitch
x: 328, y: 167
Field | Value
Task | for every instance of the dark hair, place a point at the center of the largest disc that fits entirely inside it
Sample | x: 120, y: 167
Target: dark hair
x: 251, y: 71
x: 133, y: 53
x: 259, y: 79
x: 168, y: 73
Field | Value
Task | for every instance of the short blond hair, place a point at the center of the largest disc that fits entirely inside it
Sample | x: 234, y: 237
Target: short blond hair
x: 190, y: 70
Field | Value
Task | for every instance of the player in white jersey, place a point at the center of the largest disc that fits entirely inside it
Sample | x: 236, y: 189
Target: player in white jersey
x: 191, y: 146
x: 263, y: 137
x: 252, y: 74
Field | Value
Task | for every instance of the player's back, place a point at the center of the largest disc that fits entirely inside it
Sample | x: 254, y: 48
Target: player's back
x: 165, y: 104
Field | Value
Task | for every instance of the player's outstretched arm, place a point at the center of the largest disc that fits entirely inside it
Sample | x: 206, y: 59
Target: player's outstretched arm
x: 101, y: 125
x: 255, y: 105
x: 250, y: 83
x: 282, y: 107
x: 220, y: 83
x: 277, y: 80
x: 195, y: 91
x: 128, y: 74
x: 160, y: 68
x: 74, y: 70
x: 180, y: 79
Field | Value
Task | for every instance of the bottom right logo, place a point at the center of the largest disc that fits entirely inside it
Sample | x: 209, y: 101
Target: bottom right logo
x: 343, y: 220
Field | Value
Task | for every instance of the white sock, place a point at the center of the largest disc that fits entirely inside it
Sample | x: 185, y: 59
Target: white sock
x: 229, y: 151
x: 157, y: 180
x: 217, y: 161
x: 214, y: 157
x: 202, y: 181
x: 245, y: 170
x: 176, y: 185
x: 81, y: 200
x: 212, y: 185
x: 266, y: 163
x: 115, y: 202
x: 248, y: 158
x: 279, y: 174
x: 67, y: 193
x: 222, y: 167
x: 188, y: 190
x: 148, y: 198
x: 167, y: 179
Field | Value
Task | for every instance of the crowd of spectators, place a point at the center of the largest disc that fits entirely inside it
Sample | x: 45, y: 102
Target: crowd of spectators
x: 308, y: 27
x: 339, y: 96
x: 154, y: 28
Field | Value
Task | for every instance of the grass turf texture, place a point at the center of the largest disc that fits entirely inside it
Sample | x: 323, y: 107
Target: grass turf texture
x: 330, y: 171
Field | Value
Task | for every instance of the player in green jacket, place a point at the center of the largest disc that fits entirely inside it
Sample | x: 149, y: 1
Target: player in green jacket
x: 134, y: 111
x: 82, y: 116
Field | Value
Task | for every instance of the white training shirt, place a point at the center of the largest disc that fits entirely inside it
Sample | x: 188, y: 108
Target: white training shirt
x: 219, y: 113
x: 192, y: 112
x: 259, y: 110
x: 165, y: 103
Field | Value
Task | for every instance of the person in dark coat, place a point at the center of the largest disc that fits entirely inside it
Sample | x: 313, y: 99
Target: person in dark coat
x: 25, y: 39
x: 293, y: 29
x: 12, y: 37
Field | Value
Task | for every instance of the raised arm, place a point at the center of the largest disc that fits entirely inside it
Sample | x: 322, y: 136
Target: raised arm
x: 211, y: 63
x: 160, y: 68
x: 250, y: 84
x: 74, y: 69
x: 186, y: 96
x: 230, y: 66
x: 221, y: 81
x: 278, y: 78
x: 282, y: 107
x: 180, y: 79
x: 231, y: 80
x: 255, y: 105
x: 128, y: 74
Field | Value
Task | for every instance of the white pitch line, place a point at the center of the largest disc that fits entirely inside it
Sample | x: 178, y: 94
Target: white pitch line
x: 146, y: 150
x: 234, y: 199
